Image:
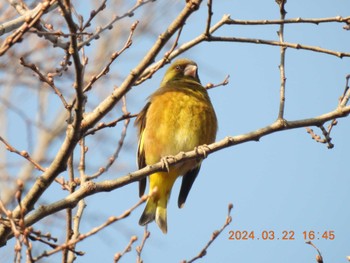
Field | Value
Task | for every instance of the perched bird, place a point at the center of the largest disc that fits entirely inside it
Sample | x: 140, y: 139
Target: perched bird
x: 178, y: 117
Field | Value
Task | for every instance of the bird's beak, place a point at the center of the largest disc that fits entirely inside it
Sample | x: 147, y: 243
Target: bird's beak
x: 191, y: 70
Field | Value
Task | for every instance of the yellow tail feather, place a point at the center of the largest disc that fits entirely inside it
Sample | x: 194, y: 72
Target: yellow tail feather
x: 156, y: 206
x: 149, y: 213
x: 155, y: 210
x: 161, y: 217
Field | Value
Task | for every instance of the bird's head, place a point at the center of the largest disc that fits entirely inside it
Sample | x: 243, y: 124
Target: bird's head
x: 182, y: 69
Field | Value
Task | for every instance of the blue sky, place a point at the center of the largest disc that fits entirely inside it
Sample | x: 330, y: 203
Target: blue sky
x: 285, y: 182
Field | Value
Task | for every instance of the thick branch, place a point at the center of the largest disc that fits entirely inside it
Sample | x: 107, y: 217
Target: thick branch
x: 91, y: 188
x: 106, y: 105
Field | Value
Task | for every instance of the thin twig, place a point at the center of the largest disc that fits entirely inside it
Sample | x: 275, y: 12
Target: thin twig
x: 116, y: 18
x: 44, y: 238
x: 319, y: 257
x: 343, y: 100
x: 215, y: 234
x: 16, y: 232
x: 57, y: 33
x: 223, y: 83
x: 111, y: 124
x: 114, y: 56
x: 93, y: 13
x: 333, y: 123
x: 64, y: 64
x: 146, y: 235
x: 181, y: 49
x: 297, y: 20
x: 210, y: 15
x: 25, y: 14
x: 165, y: 60
x: 95, y: 230
x: 346, y: 94
x: 24, y: 154
x: 115, y: 155
x: 47, y: 80
x: 30, y: 22
x: 327, y: 137
x: 282, y: 62
x: 278, y: 43
x: 81, y: 204
x: 127, y: 249
x: 69, y: 229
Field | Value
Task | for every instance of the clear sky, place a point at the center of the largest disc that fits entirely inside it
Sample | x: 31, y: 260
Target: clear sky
x: 286, y: 183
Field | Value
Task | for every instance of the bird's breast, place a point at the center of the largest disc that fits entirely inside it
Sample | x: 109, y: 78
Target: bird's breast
x: 178, y: 121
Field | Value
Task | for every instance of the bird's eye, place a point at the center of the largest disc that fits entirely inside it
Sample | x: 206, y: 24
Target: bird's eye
x: 178, y: 68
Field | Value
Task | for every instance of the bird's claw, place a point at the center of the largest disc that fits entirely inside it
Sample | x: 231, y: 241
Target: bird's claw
x: 165, y: 162
x: 203, y: 150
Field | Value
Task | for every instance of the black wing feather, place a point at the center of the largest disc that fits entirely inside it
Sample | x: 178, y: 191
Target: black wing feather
x: 141, y: 161
x: 187, y: 182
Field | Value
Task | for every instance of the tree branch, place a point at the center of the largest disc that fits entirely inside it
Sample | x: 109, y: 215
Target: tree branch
x: 280, y: 34
x: 277, y: 43
x: 30, y: 22
x: 90, y: 188
x: 215, y: 234
x: 297, y: 20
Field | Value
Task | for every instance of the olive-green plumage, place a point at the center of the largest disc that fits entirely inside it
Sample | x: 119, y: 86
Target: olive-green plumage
x: 178, y: 117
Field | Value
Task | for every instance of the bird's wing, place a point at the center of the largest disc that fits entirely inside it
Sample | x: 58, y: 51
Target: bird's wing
x: 141, y: 161
x: 187, y: 182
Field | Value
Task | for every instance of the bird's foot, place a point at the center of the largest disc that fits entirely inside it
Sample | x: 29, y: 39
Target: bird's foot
x: 165, y: 162
x: 202, y: 150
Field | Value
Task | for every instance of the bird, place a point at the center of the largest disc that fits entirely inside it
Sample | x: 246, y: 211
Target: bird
x: 178, y: 117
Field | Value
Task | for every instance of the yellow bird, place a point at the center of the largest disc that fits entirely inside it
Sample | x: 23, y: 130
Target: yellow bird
x: 178, y: 117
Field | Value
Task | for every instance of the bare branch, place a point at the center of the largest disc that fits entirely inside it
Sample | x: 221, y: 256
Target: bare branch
x: 95, y: 230
x: 277, y: 43
x: 91, y: 188
x: 93, y: 13
x: 223, y: 83
x: 111, y: 124
x: 146, y: 235
x: 215, y: 234
x: 47, y: 80
x: 210, y: 15
x: 297, y: 20
x: 24, y: 154
x: 282, y: 63
x: 26, y: 15
x: 344, y: 99
x: 114, y: 56
x: 109, y: 26
x: 127, y: 249
x: 120, y: 144
x: 17, y: 36
x: 319, y: 257
x: 165, y: 60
